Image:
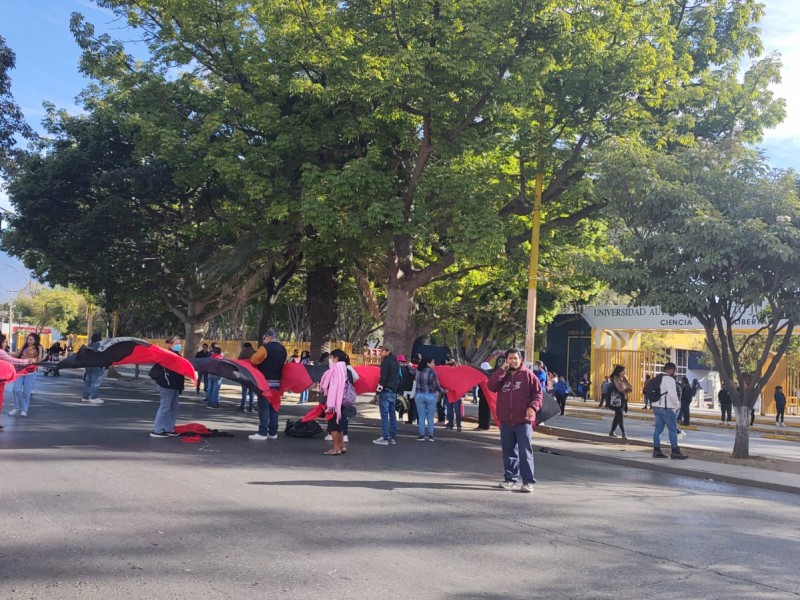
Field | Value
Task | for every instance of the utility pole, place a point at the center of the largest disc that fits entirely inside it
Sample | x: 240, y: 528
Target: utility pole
x: 533, y: 273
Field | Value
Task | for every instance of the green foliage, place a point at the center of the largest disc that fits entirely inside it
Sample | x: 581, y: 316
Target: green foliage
x: 49, y: 307
x: 710, y: 232
x: 12, y: 122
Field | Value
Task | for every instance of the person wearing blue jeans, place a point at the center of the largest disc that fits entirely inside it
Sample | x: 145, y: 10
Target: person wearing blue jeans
x: 91, y: 384
x: 665, y: 411
x: 269, y: 359
x: 426, y: 409
x: 267, y: 418
x: 454, y: 408
x: 519, y: 398
x: 167, y: 414
x: 212, y: 395
x: 515, y: 442
x: 23, y: 386
x: 247, y: 393
x: 387, y: 395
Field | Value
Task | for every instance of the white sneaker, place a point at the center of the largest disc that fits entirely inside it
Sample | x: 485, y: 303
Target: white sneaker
x: 272, y: 437
x: 258, y: 436
x: 381, y: 441
x: 95, y: 401
x: 346, y: 439
x: 328, y: 438
x: 13, y: 411
x: 23, y: 414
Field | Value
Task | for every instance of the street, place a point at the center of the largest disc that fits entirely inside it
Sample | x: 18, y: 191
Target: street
x: 94, y: 508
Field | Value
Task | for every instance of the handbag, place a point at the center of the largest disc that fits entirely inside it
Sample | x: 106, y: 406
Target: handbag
x: 615, y: 400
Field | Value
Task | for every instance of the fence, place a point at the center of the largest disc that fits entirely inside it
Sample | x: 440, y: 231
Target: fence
x: 637, y: 363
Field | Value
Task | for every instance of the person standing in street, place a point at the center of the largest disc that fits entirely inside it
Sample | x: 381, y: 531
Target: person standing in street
x: 92, y: 378
x: 665, y: 411
x: 269, y: 359
x: 687, y: 395
x: 519, y: 398
x: 428, y: 390
x: 605, y: 387
x: 23, y: 386
x: 18, y: 362
x: 246, y: 353
x: 780, y: 405
x: 202, y: 353
x: 170, y: 385
x: 214, y: 383
x: 387, y: 396
x: 484, y: 413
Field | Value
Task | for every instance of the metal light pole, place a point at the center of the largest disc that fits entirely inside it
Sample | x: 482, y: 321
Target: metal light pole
x: 533, y: 274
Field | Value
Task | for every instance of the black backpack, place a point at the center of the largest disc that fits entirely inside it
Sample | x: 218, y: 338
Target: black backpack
x: 652, y: 391
x: 298, y: 429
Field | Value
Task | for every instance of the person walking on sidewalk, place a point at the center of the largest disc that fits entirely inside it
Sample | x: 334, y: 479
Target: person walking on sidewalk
x: 269, y: 359
x: 618, y: 399
x: 687, y: 395
x: 665, y: 411
x: 519, y: 398
x: 605, y: 387
x: 780, y: 405
x: 725, y: 405
x: 561, y: 390
x: 387, y: 395
x: 91, y: 379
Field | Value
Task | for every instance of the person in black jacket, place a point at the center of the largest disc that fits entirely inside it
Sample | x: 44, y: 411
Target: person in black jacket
x: 687, y: 395
x: 170, y: 386
x: 269, y: 359
x: 202, y: 353
x: 387, y: 396
x: 725, y: 404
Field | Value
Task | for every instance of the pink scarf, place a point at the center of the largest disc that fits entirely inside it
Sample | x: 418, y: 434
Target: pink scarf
x: 332, y: 384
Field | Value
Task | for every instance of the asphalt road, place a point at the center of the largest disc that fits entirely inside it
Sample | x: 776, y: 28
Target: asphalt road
x: 94, y: 508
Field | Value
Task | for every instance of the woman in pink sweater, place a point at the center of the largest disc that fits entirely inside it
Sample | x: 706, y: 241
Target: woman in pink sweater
x: 332, y: 385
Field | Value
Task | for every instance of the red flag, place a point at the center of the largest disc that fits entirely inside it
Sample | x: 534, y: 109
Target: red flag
x: 315, y: 413
x: 459, y: 380
x: 368, y: 378
x: 165, y: 358
x: 7, y: 372
x: 491, y: 400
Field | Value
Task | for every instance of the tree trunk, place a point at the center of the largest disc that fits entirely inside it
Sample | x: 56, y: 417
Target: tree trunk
x: 195, y: 328
x: 267, y: 309
x: 322, y: 293
x: 400, y: 329
x: 741, y: 445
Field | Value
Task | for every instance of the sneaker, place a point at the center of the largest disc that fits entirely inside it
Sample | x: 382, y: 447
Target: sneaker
x: 84, y: 399
x: 722, y: 422
x: 527, y: 488
x: 13, y: 411
x: 421, y: 438
x: 392, y: 441
x: 329, y: 438
x: 249, y: 409
x: 678, y: 455
x: 173, y: 434
x: 257, y: 436
x: 624, y: 437
x: 96, y: 401
x: 659, y: 454
x: 381, y: 441
x: 163, y: 434
x: 272, y: 437
x: 23, y: 414
x: 508, y: 485
x: 431, y: 439
x: 612, y: 434
x: 346, y: 439
x: 459, y: 428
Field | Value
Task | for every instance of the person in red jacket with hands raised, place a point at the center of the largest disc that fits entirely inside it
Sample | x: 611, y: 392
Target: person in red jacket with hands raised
x: 519, y: 398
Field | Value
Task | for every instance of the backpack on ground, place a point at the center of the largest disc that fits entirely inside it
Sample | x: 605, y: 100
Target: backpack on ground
x: 298, y: 429
x: 652, y: 391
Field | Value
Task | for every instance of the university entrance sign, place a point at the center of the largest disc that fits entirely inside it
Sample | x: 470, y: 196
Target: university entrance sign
x: 651, y: 318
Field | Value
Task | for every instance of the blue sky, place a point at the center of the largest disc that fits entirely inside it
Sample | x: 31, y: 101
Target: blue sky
x: 47, y: 70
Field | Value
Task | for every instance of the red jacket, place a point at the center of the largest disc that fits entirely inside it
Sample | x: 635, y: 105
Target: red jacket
x: 516, y: 393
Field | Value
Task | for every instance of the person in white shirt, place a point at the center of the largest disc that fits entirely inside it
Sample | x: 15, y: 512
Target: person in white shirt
x: 665, y: 411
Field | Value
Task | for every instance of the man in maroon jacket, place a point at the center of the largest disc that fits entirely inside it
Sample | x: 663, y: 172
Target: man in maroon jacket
x: 519, y: 398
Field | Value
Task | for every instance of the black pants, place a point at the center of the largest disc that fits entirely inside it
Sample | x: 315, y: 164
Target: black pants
x: 412, y: 410
x: 726, y: 412
x: 440, y: 407
x: 204, y: 380
x: 562, y: 401
x: 683, y: 415
x: 752, y: 416
x: 779, y: 414
x: 618, y: 420
x: 484, y: 414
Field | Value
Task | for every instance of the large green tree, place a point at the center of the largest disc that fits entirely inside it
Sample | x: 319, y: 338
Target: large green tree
x: 12, y: 122
x: 711, y: 232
